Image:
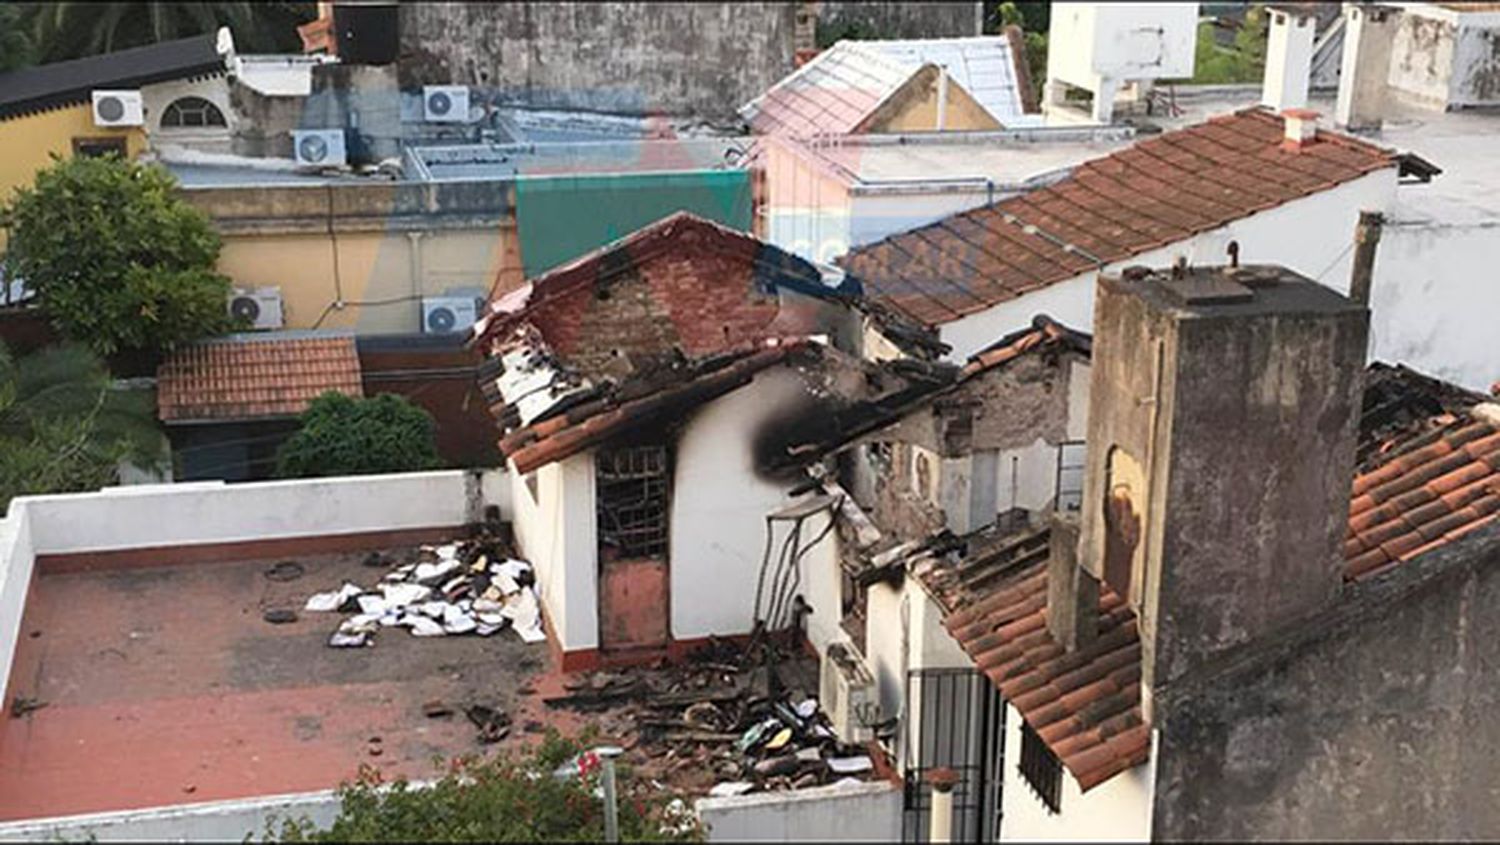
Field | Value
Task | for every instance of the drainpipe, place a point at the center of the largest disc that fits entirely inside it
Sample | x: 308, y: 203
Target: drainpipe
x: 941, y: 828
x: 1366, y: 238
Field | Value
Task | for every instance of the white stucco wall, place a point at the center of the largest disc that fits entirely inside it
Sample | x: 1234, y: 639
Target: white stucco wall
x: 238, y: 820
x: 1312, y: 236
x: 864, y: 812
x: 555, y: 530
x: 1435, y: 301
x: 147, y: 515
x: 719, y: 508
x: 215, y: 139
x: 161, y: 515
x: 1118, y: 810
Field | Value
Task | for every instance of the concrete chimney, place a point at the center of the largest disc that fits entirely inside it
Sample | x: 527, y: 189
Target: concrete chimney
x: 1289, y: 51
x: 1222, y: 421
x: 1072, y: 592
x: 1369, y: 31
x: 1301, y: 128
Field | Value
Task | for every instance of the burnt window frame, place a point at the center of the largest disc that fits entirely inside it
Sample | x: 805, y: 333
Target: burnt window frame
x: 1041, y: 769
x: 191, y: 104
x: 655, y: 482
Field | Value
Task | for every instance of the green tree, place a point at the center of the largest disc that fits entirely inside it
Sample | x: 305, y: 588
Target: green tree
x: 70, y: 30
x: 117, y: 260
x: 505, y: 798
x: 341, y: 435
x: 15, y: 41
x: 1245, y: 61
x: 64, y: 427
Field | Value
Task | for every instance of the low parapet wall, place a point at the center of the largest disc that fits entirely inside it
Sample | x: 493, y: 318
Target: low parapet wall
x: 161, y: 524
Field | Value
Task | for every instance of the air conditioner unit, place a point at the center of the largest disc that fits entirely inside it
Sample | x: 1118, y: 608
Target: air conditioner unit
x: 445, y: 103
x: 261, y: 306
x: 118, y: 108
x: 448, y: 314
x: 848, y: 694
x: 319, y: 147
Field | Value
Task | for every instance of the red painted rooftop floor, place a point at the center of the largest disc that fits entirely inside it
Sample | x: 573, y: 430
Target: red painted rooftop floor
x: 165, y: 686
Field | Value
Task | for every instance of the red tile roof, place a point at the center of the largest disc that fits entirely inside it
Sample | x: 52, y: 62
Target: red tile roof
x: 251, y: 377
x: 1436, y: 487
x: 1159, y: 191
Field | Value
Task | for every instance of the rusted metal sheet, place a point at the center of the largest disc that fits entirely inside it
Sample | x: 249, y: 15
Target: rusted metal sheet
x: 633, y: 603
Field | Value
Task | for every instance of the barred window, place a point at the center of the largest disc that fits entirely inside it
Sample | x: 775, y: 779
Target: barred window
x: 631, y: 490
x: 191, y: 113
x: 1041, y: 769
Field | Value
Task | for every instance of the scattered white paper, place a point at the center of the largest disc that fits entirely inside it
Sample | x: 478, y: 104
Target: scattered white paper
x: 731, y: 788
x: 850, y: 765
x: 421, y: 626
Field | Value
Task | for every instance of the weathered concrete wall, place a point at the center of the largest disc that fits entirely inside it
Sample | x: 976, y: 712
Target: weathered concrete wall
x: 1445, y: 58
x: 626, y: 57
x: 886, y: 19
x: 703, y: 59
x: 241, y: 820
x: 1373, y: 722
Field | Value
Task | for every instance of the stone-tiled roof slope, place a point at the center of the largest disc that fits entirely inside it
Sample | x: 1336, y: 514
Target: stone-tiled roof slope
x: 1159, y: 191
x: 239, y: 378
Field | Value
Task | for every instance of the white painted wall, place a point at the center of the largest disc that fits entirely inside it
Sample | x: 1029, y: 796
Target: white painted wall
x: 152, y: 515
x: 1312, y: 236
x: 215, y: 139
x: 1435, y: 302
x: 1118, y: 810
x: 146, y: 515
x: 239, y: 820
x: 869, y: 812
x: 555, y: 531
x: 719, y: 507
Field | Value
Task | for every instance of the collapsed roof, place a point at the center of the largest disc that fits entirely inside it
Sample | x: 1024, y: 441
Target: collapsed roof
x: 1439, y: 481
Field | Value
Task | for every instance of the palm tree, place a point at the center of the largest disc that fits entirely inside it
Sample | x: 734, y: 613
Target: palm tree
x: 64, y: 426
x: 70, y: 30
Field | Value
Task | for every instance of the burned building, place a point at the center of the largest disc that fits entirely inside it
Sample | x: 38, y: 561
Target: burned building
x: 644, y: 393
x: 1271, y: 600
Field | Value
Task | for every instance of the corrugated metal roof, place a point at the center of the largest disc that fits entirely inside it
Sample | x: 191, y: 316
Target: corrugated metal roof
x: 985, y: 67
x: 67, y: 83
x: 843, y: 85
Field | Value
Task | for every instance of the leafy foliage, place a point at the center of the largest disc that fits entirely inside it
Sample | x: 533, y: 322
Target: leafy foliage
x: 1244, y: 62
x: 1034, y: 20
x: 117, y: 260
x: 69, y: 30
x: 345, y: 436
x: 504, y: 798
x: 15, y: 43
x: 64, y: 428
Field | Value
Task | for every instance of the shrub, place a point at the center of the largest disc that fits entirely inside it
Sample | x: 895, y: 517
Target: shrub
x: 341, y: 435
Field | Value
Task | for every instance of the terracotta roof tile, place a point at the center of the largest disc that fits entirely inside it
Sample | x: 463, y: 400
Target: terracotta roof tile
x: 1086, y: 705
x: 1160, y: 191
x: 240, y: 378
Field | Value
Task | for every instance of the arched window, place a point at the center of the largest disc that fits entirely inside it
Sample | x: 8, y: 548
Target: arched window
x: 191, y: 113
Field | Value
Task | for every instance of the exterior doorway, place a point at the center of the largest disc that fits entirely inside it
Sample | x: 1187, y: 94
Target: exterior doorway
x: 633, y: 494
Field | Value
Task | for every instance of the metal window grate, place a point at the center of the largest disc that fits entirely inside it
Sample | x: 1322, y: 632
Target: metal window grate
x: 632, y: 496
x: 1072, y: 457
x: 1041, y: 769
x: 955, y: 719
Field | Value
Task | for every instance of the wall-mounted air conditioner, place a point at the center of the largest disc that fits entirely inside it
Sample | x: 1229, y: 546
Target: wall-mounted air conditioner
x: 445, y: 103
x: 448, y: 314
x: 319, y: 147
x: 848, y: 694
x: 118, y: 108
x: 260, y: 306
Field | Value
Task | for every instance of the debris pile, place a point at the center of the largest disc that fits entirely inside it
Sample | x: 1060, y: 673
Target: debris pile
x: 459, y: 588
x: 722, y: 723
